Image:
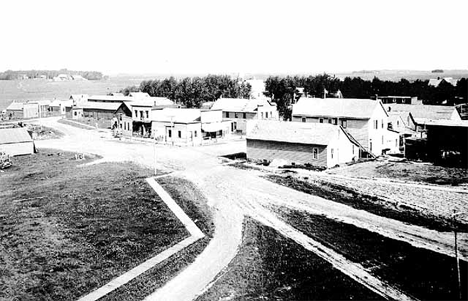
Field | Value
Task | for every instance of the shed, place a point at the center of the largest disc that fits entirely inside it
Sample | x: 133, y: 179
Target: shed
x: 317, y: 144
x: 16, y: 141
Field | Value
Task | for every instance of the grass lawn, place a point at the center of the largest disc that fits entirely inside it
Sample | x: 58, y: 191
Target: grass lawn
x: 372, y: 204
x: 187, y: 196
x: 422, y: 273
x: 75, y: 124
x: 269, y: 266
x: 67, y: 230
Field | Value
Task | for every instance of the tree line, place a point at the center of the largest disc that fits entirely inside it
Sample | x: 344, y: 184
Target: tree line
x: 284, y: 92
x: 193, y: 92
x: 49, y: 74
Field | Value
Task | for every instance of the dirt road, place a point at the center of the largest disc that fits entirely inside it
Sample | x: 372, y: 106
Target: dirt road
x: 231, y: 193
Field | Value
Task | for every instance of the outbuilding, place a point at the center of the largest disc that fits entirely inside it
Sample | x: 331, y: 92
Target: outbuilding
x: 16, y: 142
x: 317, y: 144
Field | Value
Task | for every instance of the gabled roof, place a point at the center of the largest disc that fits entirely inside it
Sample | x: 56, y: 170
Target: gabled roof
x: 176, y: 115
x: 239, y: 104
x: 422, y: 113
x: 336, y: 107
x: 434, y: 82
x: 295, y: 132
x: 41, y: 102
x: 15, y: 135
x: 15, y: 106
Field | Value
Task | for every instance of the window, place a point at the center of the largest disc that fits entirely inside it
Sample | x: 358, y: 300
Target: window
x: 382, y: 140
x: 315, y: 153
x: 136, y: 113
x: 235, y: 115
x: 398, y: 123
x: 382, y: 123
x: 304, y: 119
x: 335, y: 121
x: 353, y: 149
x: 266, y: 115
x: 195, y: 133
x: 169, y: 132
x: 376, y: 124
x: 147, y: 114
x: 329, y: 120
x: 179, y: 134
x: 331, y: 152
x: 344, y: 123
x: 370, y: 145
x: 227, y: 114
x: 321, y: 120
x: 244, y: 115
x: 261, y: 115
x: 74, y: 113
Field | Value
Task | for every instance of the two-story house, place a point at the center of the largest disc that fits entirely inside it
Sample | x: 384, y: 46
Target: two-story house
x: 243, y: 113
x: 365, y: 119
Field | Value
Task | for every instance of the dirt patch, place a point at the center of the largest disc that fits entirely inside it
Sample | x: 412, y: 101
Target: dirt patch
x: 420, y: 272
x: 67, y: 230
x: 75, y: 124
x: 271, y: 267
x: 373, y: 204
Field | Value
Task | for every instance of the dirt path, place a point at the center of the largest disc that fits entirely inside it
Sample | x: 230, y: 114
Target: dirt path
x: 233, y: 192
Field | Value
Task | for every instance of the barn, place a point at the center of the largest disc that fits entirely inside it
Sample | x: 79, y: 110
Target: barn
x: 16, y: 142
x: 317, y: 144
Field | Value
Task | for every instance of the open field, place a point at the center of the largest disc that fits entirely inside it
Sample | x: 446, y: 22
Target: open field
x: 269, y: 266
x: 352, y: 196
x: 67, y: 230
x: 31, y: 89
x: 421, y: 273
x: 406, y: 171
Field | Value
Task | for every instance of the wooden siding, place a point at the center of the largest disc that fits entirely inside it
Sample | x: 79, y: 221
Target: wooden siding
x: 290, y: 152
x: 18, y: 149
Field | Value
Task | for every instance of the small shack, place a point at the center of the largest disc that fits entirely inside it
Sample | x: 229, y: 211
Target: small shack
x: 16, y: 142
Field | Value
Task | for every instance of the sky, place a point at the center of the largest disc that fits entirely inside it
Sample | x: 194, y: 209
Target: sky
x: 200, y: 36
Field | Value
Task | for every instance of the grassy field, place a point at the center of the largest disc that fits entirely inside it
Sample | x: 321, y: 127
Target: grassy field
x: 372, y: 204
x: 67, y: 230
x: 269, y: 266
x: 31, y: 89
x: 187, y: 196
x: 421, y: 273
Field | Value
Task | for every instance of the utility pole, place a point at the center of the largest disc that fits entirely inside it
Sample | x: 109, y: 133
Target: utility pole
x: 456, y: 252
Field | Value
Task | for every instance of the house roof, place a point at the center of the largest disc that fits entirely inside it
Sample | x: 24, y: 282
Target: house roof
x: 105, y: 106
x: 449, y: 123
x: 294, y: 132
x: 239, y: 104
x: 176, y: 115
x: 336, y: 107
x: 15, y: 106
x: 41, y: 102
x: 14, y: 135
x: 434, y: 82
x: 422, y: 113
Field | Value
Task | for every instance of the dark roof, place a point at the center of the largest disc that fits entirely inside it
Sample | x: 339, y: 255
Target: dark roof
x: 15, y: 135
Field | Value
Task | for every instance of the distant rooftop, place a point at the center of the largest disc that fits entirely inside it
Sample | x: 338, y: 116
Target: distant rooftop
x: 335, y: 107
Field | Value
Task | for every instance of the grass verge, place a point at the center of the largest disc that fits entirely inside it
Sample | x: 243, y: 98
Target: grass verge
x: 187, y: 196
x: 67, y: 230
x: 372, y: 204
x: 422, y: 273
x: 269, y: 266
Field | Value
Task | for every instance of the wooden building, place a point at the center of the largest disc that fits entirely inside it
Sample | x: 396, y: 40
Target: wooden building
x: 16, y: 141
x: 365, y: 119
x: 243, y: 113
x: 321, y: 145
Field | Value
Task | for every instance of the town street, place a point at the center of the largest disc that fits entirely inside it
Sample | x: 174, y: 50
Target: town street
x: 233, y: 193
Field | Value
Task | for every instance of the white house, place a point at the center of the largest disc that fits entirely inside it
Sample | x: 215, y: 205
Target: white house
x: 365, y: 119
x: 243, y: 113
